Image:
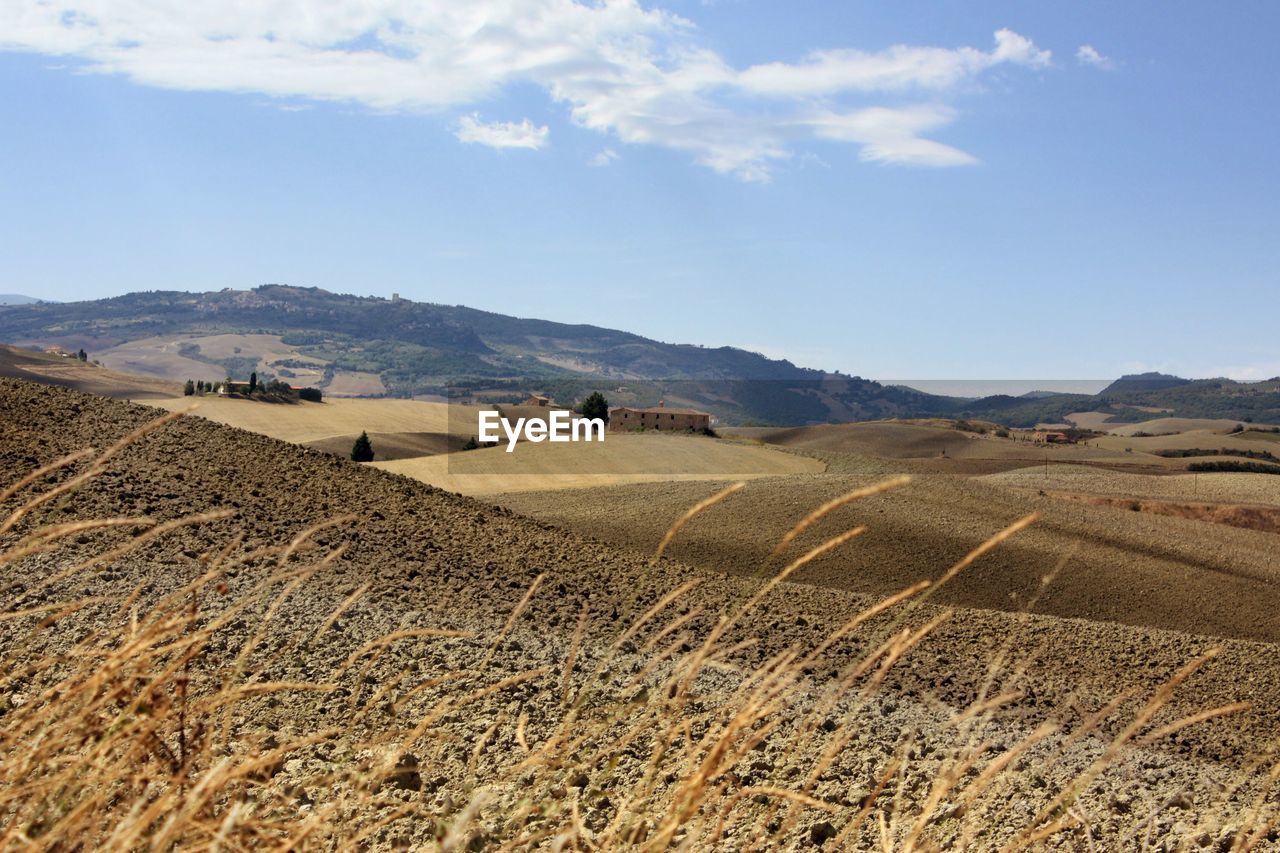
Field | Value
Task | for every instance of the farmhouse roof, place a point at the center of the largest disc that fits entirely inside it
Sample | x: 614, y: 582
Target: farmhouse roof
x: 661, y: 410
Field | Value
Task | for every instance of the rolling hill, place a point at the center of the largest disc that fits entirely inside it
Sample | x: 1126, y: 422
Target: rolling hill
x: 370, y: 346
x: 1137, y: 382
x: 364, y: 645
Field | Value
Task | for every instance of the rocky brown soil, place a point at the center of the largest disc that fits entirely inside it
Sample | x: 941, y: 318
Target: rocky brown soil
x: 415, y: 557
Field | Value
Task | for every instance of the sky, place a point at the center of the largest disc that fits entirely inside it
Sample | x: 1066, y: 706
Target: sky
x: 962, y: 190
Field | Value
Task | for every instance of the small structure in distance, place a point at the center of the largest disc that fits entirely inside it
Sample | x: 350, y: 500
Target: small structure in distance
x: 659, y: 417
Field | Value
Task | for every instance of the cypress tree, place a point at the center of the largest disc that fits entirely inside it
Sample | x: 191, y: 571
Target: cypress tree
x: 362, y: 450
x: 596, y: 406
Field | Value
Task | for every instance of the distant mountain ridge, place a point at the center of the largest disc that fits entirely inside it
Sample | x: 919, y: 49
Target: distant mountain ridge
x: 419, y: 348
x: 17, y: 299
x: 1139, y: 382
x: 413, y: 348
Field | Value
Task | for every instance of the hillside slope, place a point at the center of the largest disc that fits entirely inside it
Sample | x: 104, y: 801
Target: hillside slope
x: 49, y: 369
x: 415, y: 559
x: 370, y: 346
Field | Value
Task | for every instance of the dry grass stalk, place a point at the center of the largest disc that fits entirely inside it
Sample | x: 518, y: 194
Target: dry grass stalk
x: 692, y: 513
x: 834, y: 504
x: 117, y: 746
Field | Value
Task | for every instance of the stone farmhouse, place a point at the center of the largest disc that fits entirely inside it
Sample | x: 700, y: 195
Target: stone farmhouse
x: 659, y: 417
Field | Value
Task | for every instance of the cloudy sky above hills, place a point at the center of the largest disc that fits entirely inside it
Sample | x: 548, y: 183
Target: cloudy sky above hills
x: 980, y: 189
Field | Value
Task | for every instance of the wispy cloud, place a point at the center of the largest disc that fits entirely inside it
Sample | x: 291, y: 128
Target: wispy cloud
x: 637, y: 75
x: 899, y: 69
x: 603, y: 158
x: 893, y: 135
x: 1087, y: 54
x: 501, y: 134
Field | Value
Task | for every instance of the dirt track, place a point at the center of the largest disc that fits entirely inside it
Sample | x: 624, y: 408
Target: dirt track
x: 432, y: 558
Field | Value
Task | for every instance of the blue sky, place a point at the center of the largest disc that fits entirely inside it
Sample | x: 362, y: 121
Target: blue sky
x: 895, y: 190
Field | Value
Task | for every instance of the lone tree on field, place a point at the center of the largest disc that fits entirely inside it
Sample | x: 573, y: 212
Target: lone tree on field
x: 189, y: 388
x: 82, y: 355
x: 362, y: 450
x: 596, y: 406
x: 253, y: 382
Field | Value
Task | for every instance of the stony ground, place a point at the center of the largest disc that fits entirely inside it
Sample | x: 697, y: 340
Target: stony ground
x: 415, y: 557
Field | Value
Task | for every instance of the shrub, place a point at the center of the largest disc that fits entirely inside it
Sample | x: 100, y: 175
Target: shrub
x: 1183, y: 453
x: 188, y: 389
x: 968, y: 426
x: 362, y: 450
x: 310, y: 394
x: 1233, y: 466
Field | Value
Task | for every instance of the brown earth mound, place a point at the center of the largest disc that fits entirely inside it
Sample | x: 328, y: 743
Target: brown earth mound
x: 1264, y: 518
x: 403, y: 557
x: 1134, y: 568
x: 943, y: 447
x: 888, y: 440
x: 16, y: 363
x: 388, y: 446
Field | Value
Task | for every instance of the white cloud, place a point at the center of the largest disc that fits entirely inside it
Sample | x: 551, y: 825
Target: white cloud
x: 1087, y: 54
x: 634, y: 74
x: 603, y: 158
x: 893, y: 135
x: 899, y: 68
x: 501, y: 134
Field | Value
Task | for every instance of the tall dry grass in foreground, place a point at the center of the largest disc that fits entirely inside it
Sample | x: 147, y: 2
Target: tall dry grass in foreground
x: 144, y: 727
